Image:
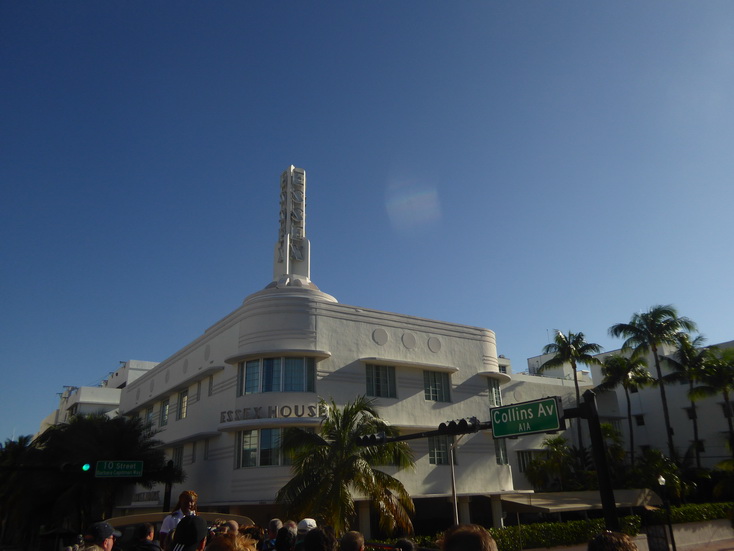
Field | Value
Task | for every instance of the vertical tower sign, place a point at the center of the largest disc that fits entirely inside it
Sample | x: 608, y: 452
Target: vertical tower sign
x: 292, y: 251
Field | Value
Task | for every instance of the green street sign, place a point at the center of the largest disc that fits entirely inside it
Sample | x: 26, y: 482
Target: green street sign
x: 543, y: 415
x: 118, y: 469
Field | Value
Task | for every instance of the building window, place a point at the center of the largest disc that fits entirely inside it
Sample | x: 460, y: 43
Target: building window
x: 193, y: 452
x: 177, y: 456
x: 495, y: 397
x: 259, y: 448
x: 438, y: 450
x: 247, y: 448
x: 183, y: 404
x: 436, y: 386
x: 726, y: 409
x: 164, y: 413
x: 296, y: 374
x: 523, y: 460
x: 691, y: 412
x: 206, y: 449
x: 381, y: 381
x: 640, y: 420
x: 634, y: 389
x: 198, y: 391
x: 149, y: 416
x: 211, y: 385
x: 500, y: 451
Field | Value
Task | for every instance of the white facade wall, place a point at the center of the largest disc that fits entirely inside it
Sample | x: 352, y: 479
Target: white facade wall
x: 104, y: 398
x: 523, y: 388
x: 296, y: 321
x: 647, y: 409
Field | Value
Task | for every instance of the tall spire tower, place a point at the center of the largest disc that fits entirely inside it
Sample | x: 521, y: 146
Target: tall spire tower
x: 292, y: 261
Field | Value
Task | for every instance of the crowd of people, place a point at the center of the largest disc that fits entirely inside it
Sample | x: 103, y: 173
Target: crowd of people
x: 184, y: 530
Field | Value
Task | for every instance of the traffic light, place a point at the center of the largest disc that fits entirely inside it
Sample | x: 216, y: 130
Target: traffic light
x: 83, y: 467
x: 459, y: 426
x: 371, y: 439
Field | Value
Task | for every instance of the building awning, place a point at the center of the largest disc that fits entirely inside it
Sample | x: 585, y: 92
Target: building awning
x: 559, y: 502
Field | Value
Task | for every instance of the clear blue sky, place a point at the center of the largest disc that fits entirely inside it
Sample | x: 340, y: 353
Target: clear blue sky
x: 520, y: 166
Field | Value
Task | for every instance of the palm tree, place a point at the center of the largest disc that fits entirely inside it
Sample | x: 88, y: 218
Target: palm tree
x: 553, y: 471
x: 328, y: 468
x: 571, y: 349
x: 80, y: 497
x: 631, y: 374
x: 646, y: 332
x: 19, y: 498
x: 718, y: 377
x: 688, y: 362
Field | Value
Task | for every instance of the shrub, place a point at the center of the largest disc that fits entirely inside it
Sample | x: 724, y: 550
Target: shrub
x: 693, y: 512
x: 552, y: 534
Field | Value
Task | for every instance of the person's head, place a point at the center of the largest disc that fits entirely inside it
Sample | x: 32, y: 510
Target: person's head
x: 229, y: 526
x: 187, y: 501
x: 231, y: 541
x: 319, y: 539
x: 405, y: 545
x: 467, y: 537
x: 285, y: 539
x: 611, y: 541
x: 292, y: 525
x: 222, y: 542
x: 274, y: 525
x: 352, y: 541
x: 101, y: 534
x: 305, y: 526
x: 190, y: 534
x: 145, y: 531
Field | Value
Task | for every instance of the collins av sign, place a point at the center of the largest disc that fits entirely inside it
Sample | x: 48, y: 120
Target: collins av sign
x: 543, y: 415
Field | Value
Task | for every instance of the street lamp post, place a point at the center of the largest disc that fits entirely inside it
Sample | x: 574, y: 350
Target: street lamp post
x: 453, y: 478
x: 666, y: 504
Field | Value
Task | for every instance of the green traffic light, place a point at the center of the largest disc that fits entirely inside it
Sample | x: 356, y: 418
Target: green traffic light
x: 86, y: 467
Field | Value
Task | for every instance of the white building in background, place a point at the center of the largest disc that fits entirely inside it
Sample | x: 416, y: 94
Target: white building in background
x: 648, y: 421
x: 104, y: 398
x: 222, y: 402
x: 647, y: 414
x: 532, y: 385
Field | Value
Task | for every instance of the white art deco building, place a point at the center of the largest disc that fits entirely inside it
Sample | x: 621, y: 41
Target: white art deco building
x: 222, y: 402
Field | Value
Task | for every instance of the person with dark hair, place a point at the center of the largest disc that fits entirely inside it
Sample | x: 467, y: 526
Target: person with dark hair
x: 352, y: 541
x: 185, y: 506
x: 405, y: 545
x: 319, y: 539
x: 145, y: 538
x: 467, y: 537
x: 285, y: 539
x: 611, y: 541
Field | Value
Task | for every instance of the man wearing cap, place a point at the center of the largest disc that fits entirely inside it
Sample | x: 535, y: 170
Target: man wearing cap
x: 304, y: 527
x: 190, y: 534
x: 100, y: 536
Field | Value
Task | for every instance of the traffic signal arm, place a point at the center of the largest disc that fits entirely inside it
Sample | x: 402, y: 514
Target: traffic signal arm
x: 444, y: 429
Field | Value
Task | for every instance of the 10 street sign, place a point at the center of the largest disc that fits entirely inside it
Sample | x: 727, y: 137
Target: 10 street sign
x: 527, y: 417
x: 117, y: 469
